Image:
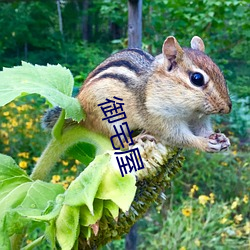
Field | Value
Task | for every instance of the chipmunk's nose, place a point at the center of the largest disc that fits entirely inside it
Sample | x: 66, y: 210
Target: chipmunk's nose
x: 227, y: 108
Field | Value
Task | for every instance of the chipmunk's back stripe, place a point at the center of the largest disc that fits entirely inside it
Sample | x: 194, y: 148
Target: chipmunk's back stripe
x: 142, y: 53
x: 118, y: 77
x: 118, y: 63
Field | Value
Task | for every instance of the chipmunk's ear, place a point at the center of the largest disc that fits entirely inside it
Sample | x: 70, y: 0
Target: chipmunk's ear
x: 171, y: 49
x: 197, y: 43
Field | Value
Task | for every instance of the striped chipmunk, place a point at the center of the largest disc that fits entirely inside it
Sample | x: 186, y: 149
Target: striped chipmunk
x: 169, y: 97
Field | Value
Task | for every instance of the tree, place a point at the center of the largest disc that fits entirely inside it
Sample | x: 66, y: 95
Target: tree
x: 134, y: 23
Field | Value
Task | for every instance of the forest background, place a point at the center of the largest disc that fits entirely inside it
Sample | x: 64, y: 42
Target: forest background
x: 207, y: 205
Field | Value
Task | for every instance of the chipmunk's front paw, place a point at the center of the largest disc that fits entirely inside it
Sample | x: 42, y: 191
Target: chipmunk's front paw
x: 218, y: 142
x: 144, y: 137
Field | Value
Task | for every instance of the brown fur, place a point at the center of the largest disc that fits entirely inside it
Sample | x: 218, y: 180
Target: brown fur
x: 158, y: 95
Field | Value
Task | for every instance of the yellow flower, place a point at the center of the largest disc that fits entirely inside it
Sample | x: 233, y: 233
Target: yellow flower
x: 183, y: 248
x: 6, y: 113
x: 234, y: 152
x: 12, y: 105
x: 4, y: 134
x: 35, y: 159
x: 235, y: 203
x: 247, y: 227
x: 23, y: 164
x: 211, y: 195
x: 245, y: 199
x: 14, y: 123
x: 187, y: 211
x: 77, y: 162
x: 223, y: 220
x: 65, y: 185
x: 73, y: 168
x: 55, y: 178
x: 203, y: 199
x: 193, y: 190
x: 6, y: 149
x: 70, y: 178
x: 238, y: 218
x: 29, y: 124
x: 224, y: 164
x: 24, y: 154
x: 65, y: 163
x: 197, y: 242
x: 6, y: 141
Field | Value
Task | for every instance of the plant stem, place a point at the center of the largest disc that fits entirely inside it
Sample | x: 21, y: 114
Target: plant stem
x: 16, y: 240
x: 57, y: 147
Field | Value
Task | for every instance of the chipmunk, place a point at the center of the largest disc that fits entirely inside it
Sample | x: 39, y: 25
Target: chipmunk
x: 170, y: 96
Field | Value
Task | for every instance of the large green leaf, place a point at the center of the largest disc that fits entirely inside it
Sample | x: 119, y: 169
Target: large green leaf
x: 21, y: 199
x: 53, y: 82
x: 121, y: 190
x: 39, y: 194
x: 6, y: 186
x: 83, y: 189
x: 9, y: 168
x: 67, y: 226
x: 101, y: 179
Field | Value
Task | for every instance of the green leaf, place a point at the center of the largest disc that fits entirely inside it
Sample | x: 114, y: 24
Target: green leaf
x: 53, y: 82
x: 9, y: 168
x: 121, y: 190
x: 11, y: 200
x: 46, y: 216
x: 20, y: 197
x: 86, y: 218
x: 83, y: 152
x: 83, y: 189
x: 26, y: 202
x: 50, y: 234
x: 14, y: 223
x: 86, y: 231
x: 6, y: 186
x: 101, y: 179
x: 67, y: 226
x: 39, y: 194
x: 112, y: 208
x: 4, y: 240
x: 14, y: 198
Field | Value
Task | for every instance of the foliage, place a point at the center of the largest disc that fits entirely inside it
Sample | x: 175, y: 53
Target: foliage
x: 29, y: 79
x: 199, y: 223
x: 223, y: 25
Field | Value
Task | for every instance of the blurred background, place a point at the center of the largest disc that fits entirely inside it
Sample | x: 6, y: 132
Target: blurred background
x: 207, y: 206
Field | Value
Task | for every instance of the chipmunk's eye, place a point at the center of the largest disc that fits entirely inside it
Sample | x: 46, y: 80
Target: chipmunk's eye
x: 197, y: 79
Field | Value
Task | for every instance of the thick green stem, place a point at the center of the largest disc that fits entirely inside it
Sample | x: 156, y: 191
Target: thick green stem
x: 57, y: 147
